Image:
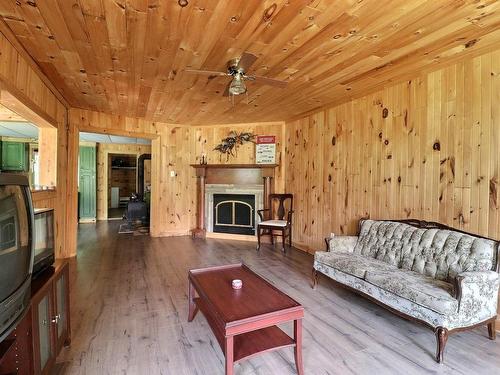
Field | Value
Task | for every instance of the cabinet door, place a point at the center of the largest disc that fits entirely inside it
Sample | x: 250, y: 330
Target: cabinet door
x: 43, y: 339
x: 62, y: 309
x: 13, y: 156
x: 87, y: 183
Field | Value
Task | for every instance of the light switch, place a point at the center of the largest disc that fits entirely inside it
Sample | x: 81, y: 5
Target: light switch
x: 172, y: 173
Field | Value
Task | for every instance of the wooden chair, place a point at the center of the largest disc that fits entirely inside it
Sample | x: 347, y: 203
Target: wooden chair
x: 280, y: 222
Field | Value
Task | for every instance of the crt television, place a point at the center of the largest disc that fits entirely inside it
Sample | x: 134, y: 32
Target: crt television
x: 16, y: 250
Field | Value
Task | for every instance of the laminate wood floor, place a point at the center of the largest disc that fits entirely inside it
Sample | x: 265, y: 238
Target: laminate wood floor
x: 129, y: 316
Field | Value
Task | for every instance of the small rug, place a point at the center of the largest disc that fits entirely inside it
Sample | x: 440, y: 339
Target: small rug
x: 135, y: 229
x: 124, y: 228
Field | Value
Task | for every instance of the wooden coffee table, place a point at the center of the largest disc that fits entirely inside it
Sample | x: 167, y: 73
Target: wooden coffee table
x: 244, y: 321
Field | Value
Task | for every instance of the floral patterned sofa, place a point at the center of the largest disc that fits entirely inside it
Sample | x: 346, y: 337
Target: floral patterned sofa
x: 423, y: 271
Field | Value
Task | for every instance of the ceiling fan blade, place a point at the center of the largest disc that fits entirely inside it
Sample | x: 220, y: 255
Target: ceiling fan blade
x: 206, y: 72
x: 226, y: 90
x: 269, y: 81
x: 246, y: 61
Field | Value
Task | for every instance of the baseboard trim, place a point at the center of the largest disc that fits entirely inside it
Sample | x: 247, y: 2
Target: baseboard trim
x: 86, y: 221
x: 170, y: 233
x: 230, y: 236
x: 303, y: 247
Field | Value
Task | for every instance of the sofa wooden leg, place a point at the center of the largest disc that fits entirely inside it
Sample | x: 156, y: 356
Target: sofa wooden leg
x: 441, y: 338
x: 492, y: 333
x: 314, y: 278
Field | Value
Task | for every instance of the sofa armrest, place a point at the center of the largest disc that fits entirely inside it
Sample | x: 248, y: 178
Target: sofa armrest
x: 341, y: 244
x: 477, y: 293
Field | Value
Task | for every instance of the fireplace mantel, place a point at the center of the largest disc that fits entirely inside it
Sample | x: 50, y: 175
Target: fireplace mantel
x: 229, y: 174
x: 265, y: 170
x: 234, y: 166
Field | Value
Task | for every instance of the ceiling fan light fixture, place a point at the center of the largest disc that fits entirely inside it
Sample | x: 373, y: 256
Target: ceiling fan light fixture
x: 237, y: 69
x: 237, y: 86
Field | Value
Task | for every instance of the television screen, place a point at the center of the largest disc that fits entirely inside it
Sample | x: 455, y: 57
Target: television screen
x: 15, y: 247
x: 43, y: 240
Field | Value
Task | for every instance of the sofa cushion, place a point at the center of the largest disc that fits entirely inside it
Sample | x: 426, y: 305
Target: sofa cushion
x: 425, y: 291
x: 383, y: 240
x: 437, y: 253
x: 443, y: 254
x: 355, y: 265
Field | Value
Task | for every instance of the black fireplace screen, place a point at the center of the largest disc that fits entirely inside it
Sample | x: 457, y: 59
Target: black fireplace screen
x: 234, y: 213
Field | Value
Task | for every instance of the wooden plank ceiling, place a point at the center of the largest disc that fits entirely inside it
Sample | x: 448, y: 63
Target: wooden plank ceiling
x: 128, y: 56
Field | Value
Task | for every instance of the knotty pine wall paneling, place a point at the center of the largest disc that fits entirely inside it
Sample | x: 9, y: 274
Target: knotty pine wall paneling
x: 173, y: 149
x: 25, y: 89
x: 425, y: 148
x: 205, y: 138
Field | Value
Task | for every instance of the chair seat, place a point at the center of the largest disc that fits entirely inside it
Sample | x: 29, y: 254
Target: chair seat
x: 274, y: 223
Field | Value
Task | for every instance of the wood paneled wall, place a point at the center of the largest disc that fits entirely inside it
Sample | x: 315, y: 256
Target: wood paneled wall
x: 24, y: 89
x: 205, y: 138
x: 425, y: 148
x: 103, y: 151
x: 173, y: 149
x: 165, y: 220
x: 47, y: 150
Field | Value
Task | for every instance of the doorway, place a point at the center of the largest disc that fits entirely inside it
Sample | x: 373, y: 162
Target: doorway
x: 28, y: 148
x: 122, y: 183
x: 116, y: 195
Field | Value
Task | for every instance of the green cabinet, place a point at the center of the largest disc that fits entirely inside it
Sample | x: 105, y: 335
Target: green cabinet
x: 14, y: 156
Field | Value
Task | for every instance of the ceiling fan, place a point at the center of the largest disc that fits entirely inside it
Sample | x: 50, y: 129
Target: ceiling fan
x: 237, y: 69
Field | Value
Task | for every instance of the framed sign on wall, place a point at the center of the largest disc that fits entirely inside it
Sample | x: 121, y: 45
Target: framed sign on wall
x: 265, y: 149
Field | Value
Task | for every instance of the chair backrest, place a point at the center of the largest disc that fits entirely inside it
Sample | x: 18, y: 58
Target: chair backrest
x: 280, y: 200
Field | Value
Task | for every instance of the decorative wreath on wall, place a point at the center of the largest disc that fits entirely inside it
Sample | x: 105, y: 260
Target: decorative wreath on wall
x: 230, y: 144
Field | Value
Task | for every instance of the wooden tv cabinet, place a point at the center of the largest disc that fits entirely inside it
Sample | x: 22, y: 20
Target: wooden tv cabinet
x: 34, y: 344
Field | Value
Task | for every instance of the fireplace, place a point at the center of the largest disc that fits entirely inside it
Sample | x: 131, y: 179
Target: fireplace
x: 232, y: 209
x: 234, y: 213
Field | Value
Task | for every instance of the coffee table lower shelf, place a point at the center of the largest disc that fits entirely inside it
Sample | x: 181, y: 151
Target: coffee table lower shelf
x: 263, y: 340
x: 251, y: 343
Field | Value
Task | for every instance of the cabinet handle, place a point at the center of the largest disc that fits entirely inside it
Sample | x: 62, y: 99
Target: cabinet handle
x: 56, y: 319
